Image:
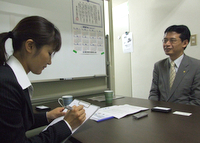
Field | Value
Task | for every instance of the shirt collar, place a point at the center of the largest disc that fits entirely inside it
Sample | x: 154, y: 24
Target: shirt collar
x: 19, y: 72
x: 177, y: 61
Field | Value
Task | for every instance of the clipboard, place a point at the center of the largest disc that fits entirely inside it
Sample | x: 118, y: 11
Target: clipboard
x: 90, y: 109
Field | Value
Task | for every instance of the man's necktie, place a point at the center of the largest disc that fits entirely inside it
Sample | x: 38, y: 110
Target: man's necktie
x: 172, y: 74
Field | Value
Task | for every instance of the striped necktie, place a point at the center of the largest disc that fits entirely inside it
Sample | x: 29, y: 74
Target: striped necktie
x: 172, y: 74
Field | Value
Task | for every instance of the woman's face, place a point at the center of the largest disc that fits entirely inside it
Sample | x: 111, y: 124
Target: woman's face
x: 39, y: 61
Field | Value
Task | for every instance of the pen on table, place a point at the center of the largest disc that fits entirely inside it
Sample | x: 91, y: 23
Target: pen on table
x: 68, y: 107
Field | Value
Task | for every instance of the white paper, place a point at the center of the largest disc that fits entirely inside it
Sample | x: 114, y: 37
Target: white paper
x: 182, y: 113
x: 87, y: 13
x: 88, y: 39
x: 119, y: 111
x: 127, y: 42
x: 100, y: 115
x: 88, y: 28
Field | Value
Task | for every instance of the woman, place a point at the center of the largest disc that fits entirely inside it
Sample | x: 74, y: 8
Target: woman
x: 34, y: 40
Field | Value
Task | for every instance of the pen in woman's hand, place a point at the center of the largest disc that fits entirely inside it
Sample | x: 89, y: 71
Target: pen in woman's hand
x: 68, y: 107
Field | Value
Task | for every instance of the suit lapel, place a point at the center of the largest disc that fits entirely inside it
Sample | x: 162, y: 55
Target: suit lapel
x: 28, y: 101
x: 165, y: 75
x: 27, y: 97
x: 182, y: 71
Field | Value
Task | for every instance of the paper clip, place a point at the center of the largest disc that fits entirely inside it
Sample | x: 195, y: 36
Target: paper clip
x: 85, y: 104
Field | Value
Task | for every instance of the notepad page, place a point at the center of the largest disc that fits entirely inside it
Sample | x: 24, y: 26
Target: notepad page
x: 89, y: 110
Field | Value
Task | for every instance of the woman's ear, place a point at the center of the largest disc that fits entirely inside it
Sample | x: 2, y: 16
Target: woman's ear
x: 29, y: 45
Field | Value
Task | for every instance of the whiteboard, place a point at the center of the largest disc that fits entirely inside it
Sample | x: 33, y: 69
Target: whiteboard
x: 65, y: 63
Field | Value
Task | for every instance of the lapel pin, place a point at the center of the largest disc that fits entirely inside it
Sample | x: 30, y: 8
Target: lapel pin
x: 183, y: 71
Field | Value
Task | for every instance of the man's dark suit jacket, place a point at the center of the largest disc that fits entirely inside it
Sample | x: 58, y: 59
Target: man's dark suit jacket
x: 186, y: 86
x: 17, y: 117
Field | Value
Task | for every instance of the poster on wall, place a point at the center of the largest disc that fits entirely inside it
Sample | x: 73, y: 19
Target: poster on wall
x: 87, y: 26
x: 127, y: 42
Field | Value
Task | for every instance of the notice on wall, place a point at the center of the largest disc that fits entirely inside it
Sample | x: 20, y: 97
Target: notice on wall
x: 88, y: 29
x: 127, y: 42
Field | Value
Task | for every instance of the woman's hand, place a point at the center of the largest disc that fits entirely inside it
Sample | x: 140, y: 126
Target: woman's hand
x: 76, y: 116
x: 55, y: 113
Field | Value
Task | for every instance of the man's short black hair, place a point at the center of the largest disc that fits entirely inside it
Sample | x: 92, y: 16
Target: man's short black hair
x: 180, y: 29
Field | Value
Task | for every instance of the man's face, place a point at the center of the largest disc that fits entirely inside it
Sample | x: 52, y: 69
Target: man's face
x: 173, y: 46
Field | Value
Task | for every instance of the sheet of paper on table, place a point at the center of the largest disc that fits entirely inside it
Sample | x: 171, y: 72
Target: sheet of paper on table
x: 117, y: 111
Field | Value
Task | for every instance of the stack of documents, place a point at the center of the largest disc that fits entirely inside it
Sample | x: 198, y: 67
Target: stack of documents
x: 116, y: 111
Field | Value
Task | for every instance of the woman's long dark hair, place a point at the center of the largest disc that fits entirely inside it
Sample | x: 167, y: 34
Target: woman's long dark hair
x: 37, y: 28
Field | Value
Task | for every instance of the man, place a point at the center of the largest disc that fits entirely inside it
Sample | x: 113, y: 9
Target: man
x: 178, y: 83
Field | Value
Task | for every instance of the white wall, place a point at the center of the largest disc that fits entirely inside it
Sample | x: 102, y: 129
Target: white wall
x: 148, y: 20
x: 122, y: 61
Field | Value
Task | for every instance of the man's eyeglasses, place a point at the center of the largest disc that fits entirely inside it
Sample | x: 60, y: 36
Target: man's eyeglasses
x: 172, y: 41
